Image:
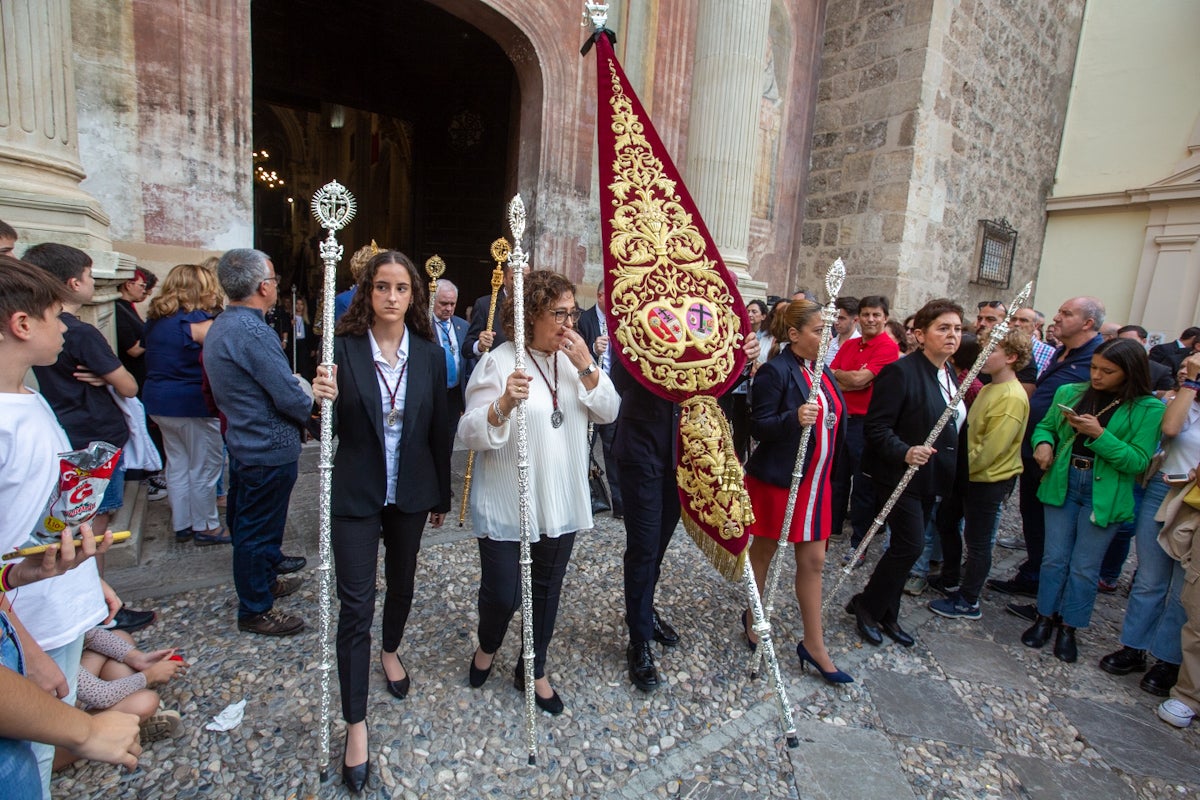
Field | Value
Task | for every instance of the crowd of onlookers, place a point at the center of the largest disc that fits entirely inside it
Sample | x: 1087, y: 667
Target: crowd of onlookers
x: 211, y: 388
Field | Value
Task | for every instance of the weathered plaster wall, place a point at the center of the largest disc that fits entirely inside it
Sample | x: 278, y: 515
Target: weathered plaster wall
x: 933, y: 114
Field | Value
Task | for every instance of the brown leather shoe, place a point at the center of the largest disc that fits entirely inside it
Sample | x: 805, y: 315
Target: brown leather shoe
x: 282, y: 587
x: 272, y: 622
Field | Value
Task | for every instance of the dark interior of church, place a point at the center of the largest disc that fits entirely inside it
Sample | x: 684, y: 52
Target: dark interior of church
x: 409, y: 107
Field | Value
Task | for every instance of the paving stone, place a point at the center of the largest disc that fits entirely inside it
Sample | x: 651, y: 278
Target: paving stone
x: 1131, y: 738
x: 829, y: 754
x: 917, y: 705
x: 976, y: 660
x: 1046, y: 779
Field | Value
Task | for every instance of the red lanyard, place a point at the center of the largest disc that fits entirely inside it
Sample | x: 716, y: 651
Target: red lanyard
x: 393, y: 415
x: 553, y: 390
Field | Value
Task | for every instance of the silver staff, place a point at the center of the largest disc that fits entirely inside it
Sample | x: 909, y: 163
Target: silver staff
x: 997, y: 333
x: 767, y: 645
x: 833, y: 286
x: 516, y: 262
x: 334, y: 207
x: 295, y: 312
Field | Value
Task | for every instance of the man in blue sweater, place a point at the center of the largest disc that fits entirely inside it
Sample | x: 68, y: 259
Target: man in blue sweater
x: 266, y: 408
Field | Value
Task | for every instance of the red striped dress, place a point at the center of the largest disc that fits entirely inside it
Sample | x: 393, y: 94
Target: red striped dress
x: 813, y: 515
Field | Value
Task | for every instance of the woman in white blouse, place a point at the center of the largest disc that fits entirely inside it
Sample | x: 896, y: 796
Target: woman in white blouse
x: 563, y: 390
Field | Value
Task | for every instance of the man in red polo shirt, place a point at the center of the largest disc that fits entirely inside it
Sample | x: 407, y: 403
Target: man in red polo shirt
x: 854, y: 367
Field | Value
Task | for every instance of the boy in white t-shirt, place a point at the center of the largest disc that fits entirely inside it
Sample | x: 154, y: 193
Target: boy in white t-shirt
x: 52, y: 615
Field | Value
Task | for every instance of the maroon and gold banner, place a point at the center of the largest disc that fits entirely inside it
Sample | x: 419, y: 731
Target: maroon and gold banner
x: 673, y: 309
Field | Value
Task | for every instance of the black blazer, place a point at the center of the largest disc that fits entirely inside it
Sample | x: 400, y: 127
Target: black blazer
x: 779, y: 389
x: 359, y: 469
x: 589, y: 327
x: 479, y: 314
x: 645, y: 424
x: 905, y: 404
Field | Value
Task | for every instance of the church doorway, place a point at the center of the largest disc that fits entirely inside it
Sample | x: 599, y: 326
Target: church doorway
x: 411, y: 108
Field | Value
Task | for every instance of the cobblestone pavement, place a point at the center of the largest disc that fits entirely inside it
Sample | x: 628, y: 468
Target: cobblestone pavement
x: 966, y: 713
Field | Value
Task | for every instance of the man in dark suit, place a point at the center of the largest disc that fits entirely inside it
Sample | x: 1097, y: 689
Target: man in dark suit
x: 1172, y: 354
x: 593, y: 327
x: 478, y: 340
x: 644, y: 447
x: 451, y: 333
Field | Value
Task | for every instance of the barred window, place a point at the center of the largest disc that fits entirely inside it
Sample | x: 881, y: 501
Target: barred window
x: 994, y: 252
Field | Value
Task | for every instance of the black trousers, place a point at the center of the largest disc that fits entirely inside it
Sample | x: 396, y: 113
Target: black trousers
x: 455, y: 407
x: 651, y: 500
x: 980, y: 510
x: 910, y: 515
x: 500, y: 591
x: 355, y: 555
x: 1033, y: 521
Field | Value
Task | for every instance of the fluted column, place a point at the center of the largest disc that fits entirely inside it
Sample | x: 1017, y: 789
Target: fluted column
x: 39, y: 151
x: 731, y: 42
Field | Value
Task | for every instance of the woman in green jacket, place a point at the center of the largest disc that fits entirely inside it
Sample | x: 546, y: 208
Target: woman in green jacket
x: 1094, y: 442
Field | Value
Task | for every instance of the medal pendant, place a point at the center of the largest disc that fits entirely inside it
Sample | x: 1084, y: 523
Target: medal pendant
x: 392, y: 417
x: 830, y: 420
x: 556, y: 418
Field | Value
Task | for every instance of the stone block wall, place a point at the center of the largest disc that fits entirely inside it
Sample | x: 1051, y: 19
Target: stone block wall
x: 932, y: 115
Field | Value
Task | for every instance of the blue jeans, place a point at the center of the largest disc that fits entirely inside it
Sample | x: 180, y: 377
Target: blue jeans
x: 1074, y: 548
x: 1118, y: 551
x: 1154, y: 616
x: 259, y: 512
x: 18, y: 765
x: 114, y: 495
x: 933, y: 545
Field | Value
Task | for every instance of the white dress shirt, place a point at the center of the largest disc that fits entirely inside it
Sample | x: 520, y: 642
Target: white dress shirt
x: 388, y: 377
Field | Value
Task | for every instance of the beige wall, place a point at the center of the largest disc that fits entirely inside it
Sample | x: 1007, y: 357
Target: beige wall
x: 1135, y: 95
x: 1092, y: 252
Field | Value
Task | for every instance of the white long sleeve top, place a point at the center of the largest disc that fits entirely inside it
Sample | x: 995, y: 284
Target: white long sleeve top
x: 558, y: 458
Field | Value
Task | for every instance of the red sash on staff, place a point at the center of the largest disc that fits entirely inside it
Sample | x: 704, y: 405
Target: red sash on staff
x: 673, y: 309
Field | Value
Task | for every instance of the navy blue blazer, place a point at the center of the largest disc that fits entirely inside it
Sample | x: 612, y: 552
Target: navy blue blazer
x: 779, y: 389
x: 458, y: 327
x: 359, y: 469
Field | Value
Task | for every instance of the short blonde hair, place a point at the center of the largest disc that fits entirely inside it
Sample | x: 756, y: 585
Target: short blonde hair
x: 187, y: 287
x: 1015, y: 343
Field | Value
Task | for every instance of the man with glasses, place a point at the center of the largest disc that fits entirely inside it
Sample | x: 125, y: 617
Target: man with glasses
x: 451, y: 333
x: 1028, y: 320
x: 266, y: 408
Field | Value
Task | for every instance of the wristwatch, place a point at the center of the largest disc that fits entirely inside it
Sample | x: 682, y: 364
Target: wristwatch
x: 583, y: 373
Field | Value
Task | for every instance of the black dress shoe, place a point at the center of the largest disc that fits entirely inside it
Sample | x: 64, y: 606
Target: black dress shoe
x: 753, y: 645
x: 130, y: 620
x: 868, y: 628
x: 1065, y: 648
x: 551, y: 705
x: 476, y: 676
x: 1040, y: 632
x: 897, y: 634
x: 289, y: 564
x: 664, y: 634
x: 355, y: 778
x: 1015, y: 586
x: 642, y: 671
x: 1124, y: 661
x: 1026, y: 611
x: 398, y: 689
x: 1159, y: 680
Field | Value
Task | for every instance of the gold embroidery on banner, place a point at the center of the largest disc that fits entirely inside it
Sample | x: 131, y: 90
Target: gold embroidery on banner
x: 677, y: 316
x: 709, y: 472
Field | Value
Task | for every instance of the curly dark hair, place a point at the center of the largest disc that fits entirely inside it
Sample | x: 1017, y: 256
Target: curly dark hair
x: 361, y: 316
x: 542, y: 288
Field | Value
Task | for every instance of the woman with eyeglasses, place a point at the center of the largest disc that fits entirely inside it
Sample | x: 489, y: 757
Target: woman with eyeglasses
x: 562, y: 389
x: 1094, y: 442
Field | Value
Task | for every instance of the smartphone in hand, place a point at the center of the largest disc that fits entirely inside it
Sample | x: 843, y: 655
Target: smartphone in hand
x: 1066, y: 409
x: 1177, y: 478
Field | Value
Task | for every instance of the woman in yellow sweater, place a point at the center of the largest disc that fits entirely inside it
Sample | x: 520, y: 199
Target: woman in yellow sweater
x: 995, y: 425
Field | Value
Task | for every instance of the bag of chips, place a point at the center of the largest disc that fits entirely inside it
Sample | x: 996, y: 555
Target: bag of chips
x: 83, y: 477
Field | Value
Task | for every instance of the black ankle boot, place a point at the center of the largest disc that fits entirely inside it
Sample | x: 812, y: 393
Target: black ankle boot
x: 1064, y: 644
x: 1039, y: 633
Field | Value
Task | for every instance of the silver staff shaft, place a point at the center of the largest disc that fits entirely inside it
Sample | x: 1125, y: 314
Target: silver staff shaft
x: 516, y: 219
x: 994, y: 338
x: 334, y: 207
x: 833, y: 285
x: 295, y: 312
x: 767, y: 646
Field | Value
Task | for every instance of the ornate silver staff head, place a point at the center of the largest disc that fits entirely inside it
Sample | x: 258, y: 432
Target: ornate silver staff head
x: 518, y: 258
x: 834, y: 278
x: 334, y: 207
x: 596, y: 15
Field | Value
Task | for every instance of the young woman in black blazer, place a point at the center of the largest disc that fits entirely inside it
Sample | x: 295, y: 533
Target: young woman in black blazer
x: 391, y: 473
x: 910, y: 395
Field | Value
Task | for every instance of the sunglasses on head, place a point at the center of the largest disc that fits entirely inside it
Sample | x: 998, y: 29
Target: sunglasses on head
x: 991, y: 304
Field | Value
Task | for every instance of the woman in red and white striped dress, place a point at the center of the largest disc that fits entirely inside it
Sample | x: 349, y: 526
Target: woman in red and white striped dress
x: 780, y: 406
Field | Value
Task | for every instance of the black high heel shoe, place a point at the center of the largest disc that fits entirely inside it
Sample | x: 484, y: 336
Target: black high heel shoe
x: 753, y: 645
x: 551, y: 705
x: 355, y: 778
x: 398, y: 689
x: 476, y: 676
x: 836, y: 676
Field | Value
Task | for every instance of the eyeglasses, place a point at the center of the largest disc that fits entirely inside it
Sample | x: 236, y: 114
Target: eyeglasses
x: 560, y: 315
x: 991, y: 304
x: 273, y: 279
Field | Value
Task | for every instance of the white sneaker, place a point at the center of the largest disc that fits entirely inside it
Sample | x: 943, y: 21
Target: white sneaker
x: 156, y: 489
x: 1175, y: 712
x: 163, y: 725
x: 1011, y: 542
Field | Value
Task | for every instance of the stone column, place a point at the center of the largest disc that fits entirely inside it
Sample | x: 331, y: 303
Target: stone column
x: 39, y: 152
x: 731, y: 42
